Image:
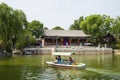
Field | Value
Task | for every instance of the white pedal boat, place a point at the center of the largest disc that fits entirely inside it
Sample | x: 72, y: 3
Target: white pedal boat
x: 62, y: 65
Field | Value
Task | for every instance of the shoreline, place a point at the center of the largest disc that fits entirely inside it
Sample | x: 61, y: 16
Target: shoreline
x: 116, y: 51
x: 75, y: 50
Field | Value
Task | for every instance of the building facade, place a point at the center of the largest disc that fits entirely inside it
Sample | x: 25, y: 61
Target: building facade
x: 64, y: 38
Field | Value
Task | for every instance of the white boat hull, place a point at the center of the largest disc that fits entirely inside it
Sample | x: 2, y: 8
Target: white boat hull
x: 78, y: 65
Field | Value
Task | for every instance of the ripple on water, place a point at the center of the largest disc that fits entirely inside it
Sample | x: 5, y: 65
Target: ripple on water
x: 70, y: 74
x: 105, y: 74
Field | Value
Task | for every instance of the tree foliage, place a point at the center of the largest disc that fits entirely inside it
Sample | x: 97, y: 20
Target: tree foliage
x: 102, y: 28
x: 46, y: 28
x: 11, y: 25
x: 115, y: 27
x: 57, y: 28
x: 76, y: 24
x: 36, y: 28
x: 97, y: 26
x: 25, y: 40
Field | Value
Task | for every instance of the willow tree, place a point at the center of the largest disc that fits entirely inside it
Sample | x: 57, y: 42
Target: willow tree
x: 11, y: 25
x: 5, y: 24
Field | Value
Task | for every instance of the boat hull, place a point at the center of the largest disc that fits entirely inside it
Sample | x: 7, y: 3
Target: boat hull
x: 77, y: 66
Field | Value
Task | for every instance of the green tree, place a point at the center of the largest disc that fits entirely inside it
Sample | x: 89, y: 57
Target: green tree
x: 5, y: 19
x: 11, y: 25
x: 20, y: 24
x: 115, y: 28
x: 57, y: 28
x: 76, y: 24
x: 97, y: 26
x: 46, y: 28
x: 25, y: 40
x: 115, y: 31
x: 36, y: 28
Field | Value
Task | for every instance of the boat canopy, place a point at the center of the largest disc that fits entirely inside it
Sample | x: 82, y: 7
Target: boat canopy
x: 63, y: 53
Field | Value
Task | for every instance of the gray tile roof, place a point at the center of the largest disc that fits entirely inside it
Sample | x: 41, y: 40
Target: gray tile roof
x: 65, y: 33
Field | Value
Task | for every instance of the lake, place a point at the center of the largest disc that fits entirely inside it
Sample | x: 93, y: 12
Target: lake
x: 33, y: 67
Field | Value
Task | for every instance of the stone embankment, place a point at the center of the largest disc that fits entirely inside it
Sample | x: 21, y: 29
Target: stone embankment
x: 75, y: 50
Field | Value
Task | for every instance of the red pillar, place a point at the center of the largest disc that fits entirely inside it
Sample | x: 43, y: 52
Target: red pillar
x: 78, y: 41
x: 61, y: 41
x: 53, y: 40
x: 70, y: 41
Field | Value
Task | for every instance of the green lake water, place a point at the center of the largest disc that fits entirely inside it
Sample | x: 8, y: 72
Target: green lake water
x: 33, y: 67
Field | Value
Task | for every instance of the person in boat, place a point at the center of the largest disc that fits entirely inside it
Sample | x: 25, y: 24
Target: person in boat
x: 70, y: 60
x: 59, y: 59
x: 56, y: 60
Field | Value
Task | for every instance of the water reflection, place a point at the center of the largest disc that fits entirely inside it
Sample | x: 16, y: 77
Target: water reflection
x: 63, y: 74
x: 99, y: 67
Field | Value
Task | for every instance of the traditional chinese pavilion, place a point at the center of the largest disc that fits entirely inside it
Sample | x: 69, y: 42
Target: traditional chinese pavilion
x: 64, y: 37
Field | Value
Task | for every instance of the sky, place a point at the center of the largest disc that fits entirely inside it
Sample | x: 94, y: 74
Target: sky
x: 63, y: 12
